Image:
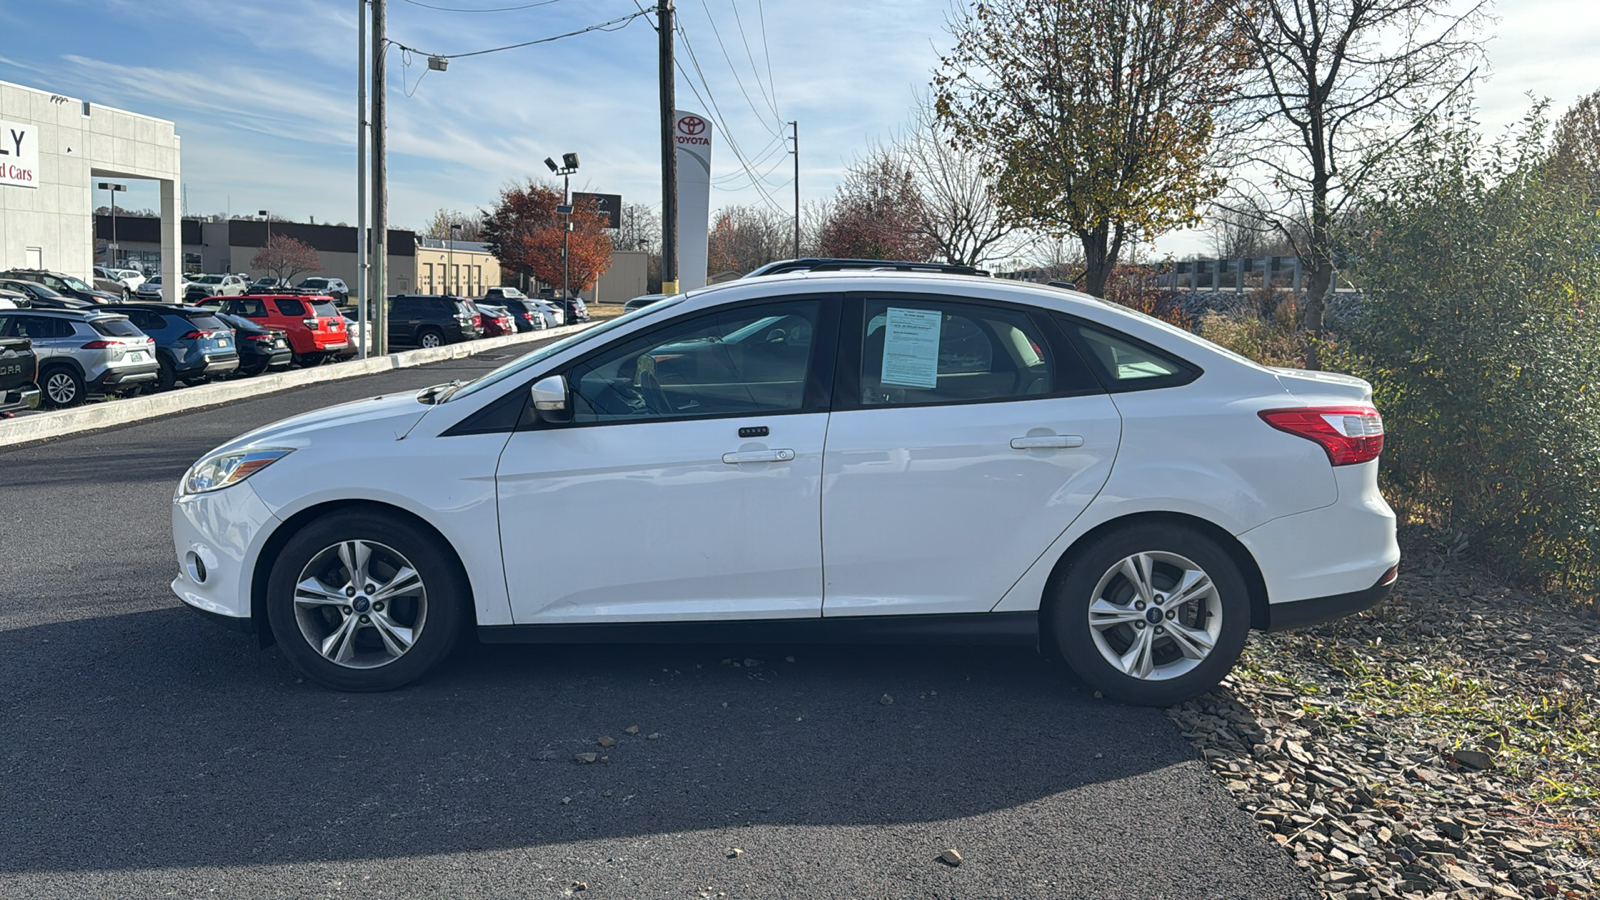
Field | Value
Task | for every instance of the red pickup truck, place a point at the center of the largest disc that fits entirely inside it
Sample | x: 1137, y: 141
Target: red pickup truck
x: 315, y: 328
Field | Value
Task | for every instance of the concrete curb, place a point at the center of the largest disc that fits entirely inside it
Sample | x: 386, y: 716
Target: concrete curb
x: 43, y: 426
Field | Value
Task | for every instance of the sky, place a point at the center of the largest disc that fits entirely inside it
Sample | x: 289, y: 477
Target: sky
x: 263, y: 94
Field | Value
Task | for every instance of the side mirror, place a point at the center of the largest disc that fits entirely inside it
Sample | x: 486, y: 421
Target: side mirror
x: 550, y: 399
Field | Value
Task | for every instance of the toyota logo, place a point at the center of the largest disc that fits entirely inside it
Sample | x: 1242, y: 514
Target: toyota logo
x: 691, y: 125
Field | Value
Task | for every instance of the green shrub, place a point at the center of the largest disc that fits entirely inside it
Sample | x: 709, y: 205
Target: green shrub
x: 1484, y: 357
x: 1265, y: 331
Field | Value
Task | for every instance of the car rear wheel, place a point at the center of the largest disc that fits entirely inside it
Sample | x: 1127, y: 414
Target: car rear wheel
x: 62, y: 387
x: 428, y: 338
x: 365, y: 602
x: 1152, y: 615
x: 166, y: 375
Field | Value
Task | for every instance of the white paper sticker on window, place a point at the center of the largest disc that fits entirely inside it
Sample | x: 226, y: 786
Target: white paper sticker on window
x: 911, y: 348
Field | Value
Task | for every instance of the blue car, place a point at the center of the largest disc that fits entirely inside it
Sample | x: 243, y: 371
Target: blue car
x: 192, y: 344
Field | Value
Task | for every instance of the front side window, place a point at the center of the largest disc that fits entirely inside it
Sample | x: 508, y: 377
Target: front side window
x: 739, y: 361
x: 918, y: 352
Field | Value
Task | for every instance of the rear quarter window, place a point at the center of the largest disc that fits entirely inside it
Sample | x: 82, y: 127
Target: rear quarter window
x: 1124, y: 363
x: 115, y: 328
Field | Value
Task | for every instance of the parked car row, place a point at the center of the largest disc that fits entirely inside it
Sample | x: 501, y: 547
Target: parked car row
x: 81, y: 344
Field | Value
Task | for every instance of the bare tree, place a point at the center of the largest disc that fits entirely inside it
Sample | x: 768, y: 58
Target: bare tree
x: 469, y: 226
x: 1236, y: 234
x: 285, y: 258
x: 1338, y: 84
x: 961, y: 209
x: 746, y: 237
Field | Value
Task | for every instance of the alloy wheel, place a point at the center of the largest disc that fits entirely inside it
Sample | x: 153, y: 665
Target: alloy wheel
x: 62, y: 388
x: 360, y: 604
x: 1155, y: 615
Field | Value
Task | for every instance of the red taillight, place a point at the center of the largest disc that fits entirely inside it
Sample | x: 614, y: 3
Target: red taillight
x: 195, y: 336
x: 101, y: 345
x: 309, y: 323
x: 258, y: 337
x: 477, y: 321
x: 1349, y: 434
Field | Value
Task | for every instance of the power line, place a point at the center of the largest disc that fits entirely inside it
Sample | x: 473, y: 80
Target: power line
x: 716, y: 32
x: 494, y: 10
x: 616, y: 24
x: 771, y: 95
x: 721, y: 120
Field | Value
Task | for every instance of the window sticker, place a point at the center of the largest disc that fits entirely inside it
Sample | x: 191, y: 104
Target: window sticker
x: 911, y: 348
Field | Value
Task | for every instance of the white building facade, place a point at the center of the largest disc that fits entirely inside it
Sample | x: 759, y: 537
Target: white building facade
x: 55, y: 149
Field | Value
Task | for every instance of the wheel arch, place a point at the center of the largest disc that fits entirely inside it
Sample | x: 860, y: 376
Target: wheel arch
x: 1236, y: 551
x: 62, y: 362
x: 292, y: 526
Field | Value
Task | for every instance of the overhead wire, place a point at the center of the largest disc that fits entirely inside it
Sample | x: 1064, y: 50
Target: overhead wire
x: 710, y: 101
x: 616, y: 24
x: 770, y: 94
x: 717, y: 32
x: 473, y: 10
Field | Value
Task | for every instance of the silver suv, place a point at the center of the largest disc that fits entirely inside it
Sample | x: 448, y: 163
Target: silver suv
x: 83, y: 353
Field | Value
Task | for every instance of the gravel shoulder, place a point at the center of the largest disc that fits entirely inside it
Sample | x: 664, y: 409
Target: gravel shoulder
x: 1439, y: 745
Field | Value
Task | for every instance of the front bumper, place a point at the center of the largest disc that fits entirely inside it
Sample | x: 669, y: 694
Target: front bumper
x: 217, y: 536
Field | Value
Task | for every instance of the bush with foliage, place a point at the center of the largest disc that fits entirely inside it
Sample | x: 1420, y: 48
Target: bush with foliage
x: 1135, y: 287
x: 1265, y: 330
x: 1476, y: 332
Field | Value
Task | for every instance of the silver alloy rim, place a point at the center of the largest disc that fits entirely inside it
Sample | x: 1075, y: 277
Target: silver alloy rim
x: 1155, y: 616
x: 360, y: 604
x: 61, y: 388
x: 430, y: 340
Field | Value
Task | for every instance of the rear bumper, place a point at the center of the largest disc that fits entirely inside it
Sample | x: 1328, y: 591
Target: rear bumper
x: 1300, y: 613
x: 127, y: 376
x: 25, y: 397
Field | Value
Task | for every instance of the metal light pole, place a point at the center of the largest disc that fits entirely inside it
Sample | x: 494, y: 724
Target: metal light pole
x: 450, y: 267
x: 267, y: 214
x: 362, y: 292
x: 113, y: 187
x: 569, y: 165
x: 796, y: 126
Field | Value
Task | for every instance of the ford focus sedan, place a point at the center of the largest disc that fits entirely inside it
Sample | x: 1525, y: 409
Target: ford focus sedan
x: 844, y: 456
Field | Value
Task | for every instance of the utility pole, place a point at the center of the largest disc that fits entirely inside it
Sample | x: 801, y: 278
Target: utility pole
x: 796, y: 126
x: 380, y: 185
x: 361, y: 178
x: 669, y: 154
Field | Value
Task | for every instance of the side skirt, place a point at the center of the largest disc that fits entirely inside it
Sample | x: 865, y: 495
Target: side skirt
x: 1007, y: 629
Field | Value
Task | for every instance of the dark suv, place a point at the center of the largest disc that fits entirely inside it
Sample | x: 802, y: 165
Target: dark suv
x: 192, y: 344
x: 429, y: 320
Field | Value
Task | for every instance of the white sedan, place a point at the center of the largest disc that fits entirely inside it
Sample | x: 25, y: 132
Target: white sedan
x: 872, y: 456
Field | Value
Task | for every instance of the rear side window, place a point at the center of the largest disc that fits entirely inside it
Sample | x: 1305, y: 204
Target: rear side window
x: 291, y: 307
x: 917, y: 352
x: 1123, y: 363
x: 115, y: 328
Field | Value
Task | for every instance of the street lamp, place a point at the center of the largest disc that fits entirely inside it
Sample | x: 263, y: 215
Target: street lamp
x: 450, y: 267
x: 569, y: 165
x: 267, y: 214
x: 113, y: 187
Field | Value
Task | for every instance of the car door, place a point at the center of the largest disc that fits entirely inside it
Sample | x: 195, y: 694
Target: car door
x: 686, y: 487
x: 966, y: 436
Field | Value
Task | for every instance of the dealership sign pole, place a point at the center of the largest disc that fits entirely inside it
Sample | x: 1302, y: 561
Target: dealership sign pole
x: 693, y: 137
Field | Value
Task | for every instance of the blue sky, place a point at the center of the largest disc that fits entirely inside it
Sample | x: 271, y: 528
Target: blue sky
x: 263, y: 94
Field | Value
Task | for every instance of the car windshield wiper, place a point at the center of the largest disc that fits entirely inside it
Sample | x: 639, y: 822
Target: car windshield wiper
x: 437, y: 393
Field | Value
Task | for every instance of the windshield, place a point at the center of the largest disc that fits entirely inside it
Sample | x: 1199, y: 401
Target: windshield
x: 518, y: 366
x: 75, y: 284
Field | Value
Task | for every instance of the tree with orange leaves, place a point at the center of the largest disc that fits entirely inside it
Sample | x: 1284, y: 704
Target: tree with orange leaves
x: 524, y: 233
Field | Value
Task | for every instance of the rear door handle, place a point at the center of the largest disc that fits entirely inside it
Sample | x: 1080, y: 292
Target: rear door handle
x: 1047, y: 442
x: 748, y: 456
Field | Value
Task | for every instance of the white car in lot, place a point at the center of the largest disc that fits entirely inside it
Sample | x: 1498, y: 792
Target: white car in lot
x: 862, y: 456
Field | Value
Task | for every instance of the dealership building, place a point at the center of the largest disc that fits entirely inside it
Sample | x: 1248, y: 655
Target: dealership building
x: 53, y: 149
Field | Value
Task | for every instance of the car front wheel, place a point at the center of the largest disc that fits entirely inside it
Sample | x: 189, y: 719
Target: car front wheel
x: 364, y: 602
x: 1152, y: 615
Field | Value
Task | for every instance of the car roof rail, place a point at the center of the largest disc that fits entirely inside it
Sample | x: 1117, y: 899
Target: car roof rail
x: 829, y: 264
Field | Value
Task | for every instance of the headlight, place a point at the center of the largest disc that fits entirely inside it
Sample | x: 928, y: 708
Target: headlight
x: 220, y: 470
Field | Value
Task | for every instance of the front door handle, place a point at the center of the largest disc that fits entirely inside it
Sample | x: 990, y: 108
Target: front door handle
x: 749, y: 456
x: 1047, y: 442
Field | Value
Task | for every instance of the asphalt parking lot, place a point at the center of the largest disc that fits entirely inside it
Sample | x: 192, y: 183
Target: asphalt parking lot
x: 148, y: 752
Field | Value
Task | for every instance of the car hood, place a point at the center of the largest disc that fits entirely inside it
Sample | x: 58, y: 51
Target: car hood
x: 385, y: 417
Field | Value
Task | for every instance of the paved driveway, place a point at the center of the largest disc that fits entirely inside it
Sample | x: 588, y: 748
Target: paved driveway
x: 146, y: 752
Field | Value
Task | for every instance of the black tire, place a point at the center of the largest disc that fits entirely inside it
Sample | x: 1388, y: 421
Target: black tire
x: 1162, y: 673
x: 429, y: 338
x: 437, y: 613
x: 166, y: 374
x: 307, y: 360
x: 62, y: 387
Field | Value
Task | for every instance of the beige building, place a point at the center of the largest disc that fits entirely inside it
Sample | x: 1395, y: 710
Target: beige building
x: 53, y: 150
x: 462, y: 268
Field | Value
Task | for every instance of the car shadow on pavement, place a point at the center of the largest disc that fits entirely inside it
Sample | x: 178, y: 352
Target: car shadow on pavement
x: 156, y: 740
